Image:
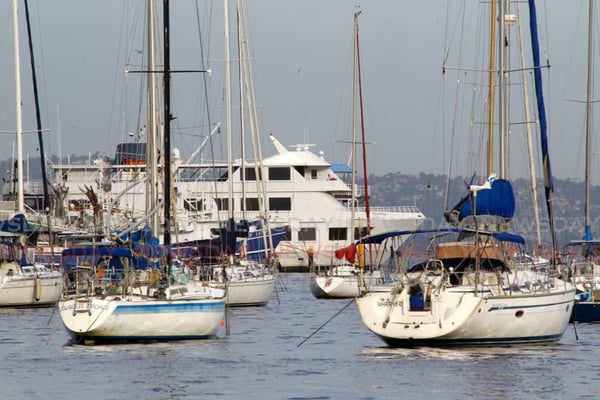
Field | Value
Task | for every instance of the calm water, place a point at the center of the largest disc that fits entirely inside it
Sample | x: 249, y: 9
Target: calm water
x: 261, y: 359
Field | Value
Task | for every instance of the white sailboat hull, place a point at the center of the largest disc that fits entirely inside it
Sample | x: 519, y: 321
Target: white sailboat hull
x: 22, y: 291
x: 137, y: 318
x: 250, y: 292
x: 342, y: 285
x: 465, y: 316
x: 246, y: 284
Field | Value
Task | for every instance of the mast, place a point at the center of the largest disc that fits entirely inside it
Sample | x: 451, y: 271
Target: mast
x: 37, y: 112
x: 588, y: 121
x: 503, y: 92
x: 151, y: 122
x: 362, y: 129
x: 247, y: 78
x: 229, y: 241
x: 532, y: 174
x: 354, y: 96
x: 491, y: 84
x: 19, y: 127
x: 364, y: 147
x: 167, y: 134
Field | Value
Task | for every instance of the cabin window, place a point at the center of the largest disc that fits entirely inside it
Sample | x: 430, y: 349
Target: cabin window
x: 307, y: 234
x: 251, y: 204
x: 222, y: 204
x: 313, y: 174
x: 193, y: 204
x: 35, y: 203
x: 280, y: 204
x: 279, y: 174
x: 338, y: 233
x: 250, y: 174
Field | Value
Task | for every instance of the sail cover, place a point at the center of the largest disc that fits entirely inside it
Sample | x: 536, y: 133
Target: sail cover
x: 497, y: 200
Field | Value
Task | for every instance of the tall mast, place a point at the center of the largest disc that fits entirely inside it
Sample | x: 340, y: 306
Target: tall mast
x: 228, y: 110
x: 532, y: 173
x: 19, y: 130
x: 503, y: 92
x: 37, y: 112
x: 491, y: 83
x: 167, y: 134
x: 151, y: 122
x: 362, y: 130
x: 588, y: 121
x: 354, y: 96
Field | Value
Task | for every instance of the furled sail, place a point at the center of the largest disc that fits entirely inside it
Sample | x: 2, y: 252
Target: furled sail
x: 537, y: 73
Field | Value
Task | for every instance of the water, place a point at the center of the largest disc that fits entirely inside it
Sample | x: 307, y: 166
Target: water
x: 261, y: 359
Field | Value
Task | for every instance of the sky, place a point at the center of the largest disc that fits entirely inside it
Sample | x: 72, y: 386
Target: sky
x: 302, y: 60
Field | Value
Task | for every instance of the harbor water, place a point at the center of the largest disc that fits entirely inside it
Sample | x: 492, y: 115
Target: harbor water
x: 270, y: 354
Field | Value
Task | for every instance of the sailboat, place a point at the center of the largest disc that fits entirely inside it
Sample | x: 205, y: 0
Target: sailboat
x: 23, y: 283
x: 343, y: 280
x: 247, y: 282
x: 116, y: 300
x: 464, y: 290
x: 585, y: 273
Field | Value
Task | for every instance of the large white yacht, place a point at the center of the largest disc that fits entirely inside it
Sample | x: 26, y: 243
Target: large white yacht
x: 303, y: 191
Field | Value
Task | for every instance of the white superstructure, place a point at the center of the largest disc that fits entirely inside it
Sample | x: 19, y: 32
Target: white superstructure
x: 303, y: 191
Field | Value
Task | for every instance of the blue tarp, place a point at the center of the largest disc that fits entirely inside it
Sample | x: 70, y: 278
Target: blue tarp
x: 141, y: 256
x: 341, y: 169
x: 498, y: 200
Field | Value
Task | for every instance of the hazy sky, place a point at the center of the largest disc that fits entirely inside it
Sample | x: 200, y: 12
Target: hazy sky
x: 302, y: 64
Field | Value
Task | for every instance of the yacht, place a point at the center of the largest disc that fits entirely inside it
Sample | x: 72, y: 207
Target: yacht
x: 305, y: 194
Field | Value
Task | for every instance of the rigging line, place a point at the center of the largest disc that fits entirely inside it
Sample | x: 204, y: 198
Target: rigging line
x: 326, y: 322
x: 276, y: 277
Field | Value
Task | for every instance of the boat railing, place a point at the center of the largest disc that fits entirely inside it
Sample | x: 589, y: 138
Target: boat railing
x: 29, y: 187
x: 390, y: 209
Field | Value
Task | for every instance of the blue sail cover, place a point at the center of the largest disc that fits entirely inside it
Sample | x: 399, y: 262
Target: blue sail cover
x: 141, y: 255
x: 499, y: 201
x: 17, y: 224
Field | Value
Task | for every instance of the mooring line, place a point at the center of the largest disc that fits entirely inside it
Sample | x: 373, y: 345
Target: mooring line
x: 326, y: 322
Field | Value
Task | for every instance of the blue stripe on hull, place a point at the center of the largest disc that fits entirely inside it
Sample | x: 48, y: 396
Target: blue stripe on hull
x: 518, y: 307
x: 169, y: 308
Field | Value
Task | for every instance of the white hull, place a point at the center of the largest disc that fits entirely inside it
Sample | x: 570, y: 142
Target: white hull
x: 248, y: 283
x: 133, y: 318
x: 342, y: 285
x: 22, y: 291
x: 462, y: 315
x: 29, y: 285
x: 250, y: 292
